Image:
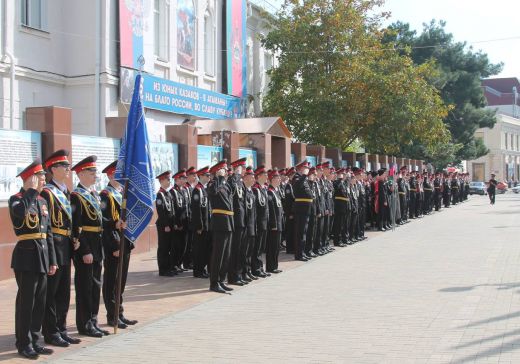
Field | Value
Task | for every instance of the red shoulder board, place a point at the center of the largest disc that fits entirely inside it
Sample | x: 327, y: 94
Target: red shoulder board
x: 256, y: 185
x: 199, y: 186
x: 271, y: 189
x: 19, y: 194
x: 104, y: 191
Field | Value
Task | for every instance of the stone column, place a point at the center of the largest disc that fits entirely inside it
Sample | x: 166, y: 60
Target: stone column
x: 299, y: 150
x: 316, y: 150
x: 350, y: 157
x: 363, y: 159
x: 335, y: 154
x: 281, y: 152
x: 186, y: 137
x: 262, y: 144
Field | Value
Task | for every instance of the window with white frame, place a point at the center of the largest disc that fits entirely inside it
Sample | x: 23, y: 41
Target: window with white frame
x: 209, y: 44
x: 161, y: 11
x: 34, y: 14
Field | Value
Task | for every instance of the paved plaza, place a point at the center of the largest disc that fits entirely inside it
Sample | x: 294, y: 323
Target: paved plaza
x: 441, y: 289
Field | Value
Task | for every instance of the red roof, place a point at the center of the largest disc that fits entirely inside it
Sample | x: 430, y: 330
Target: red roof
x: 499, y: 91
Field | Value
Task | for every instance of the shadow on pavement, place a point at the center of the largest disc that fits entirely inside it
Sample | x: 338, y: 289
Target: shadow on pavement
x: 501, y: 348
x: 500, y: 286
x: 149, y: 286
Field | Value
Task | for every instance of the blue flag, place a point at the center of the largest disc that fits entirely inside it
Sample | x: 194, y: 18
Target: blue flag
x: 135, y: 166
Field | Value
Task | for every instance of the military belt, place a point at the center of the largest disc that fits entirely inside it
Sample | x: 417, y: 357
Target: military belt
x: 402, y: 193
x: 223, y: 212
x: 33, y: 236
x: 63, y: 232
x: 92, y: 229
x: 413, y: 190
x: 428, y: 189
x: 341, y: 198
x: 303, y: 200
x: 437, y: 188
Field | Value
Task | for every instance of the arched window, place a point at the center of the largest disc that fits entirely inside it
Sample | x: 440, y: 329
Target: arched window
x: 209, y: 44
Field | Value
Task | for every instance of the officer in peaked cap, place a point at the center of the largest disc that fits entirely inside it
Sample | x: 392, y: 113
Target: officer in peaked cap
x: 220, y: 195
x: 303, y: 201
x: 199, y: 224
x: 33, y: 259
x: 113, y: 240
x: 239, y: 209
x: 164, y: 225
x: 86, y: 231
x: 57, y: 195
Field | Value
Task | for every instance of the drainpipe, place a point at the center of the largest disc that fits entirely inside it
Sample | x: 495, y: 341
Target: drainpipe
x: 12, y: 72
x: 12, y: 67
x: 97, y: 106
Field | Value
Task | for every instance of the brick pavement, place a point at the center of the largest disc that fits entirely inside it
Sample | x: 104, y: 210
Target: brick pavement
x: 444, y: 289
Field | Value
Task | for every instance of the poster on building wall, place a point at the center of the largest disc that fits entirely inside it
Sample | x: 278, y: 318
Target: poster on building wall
x: 186, y: 43
x: 18, y: 149
x: 106, y: 150
x: 165, y: 157
x: 293, y: 160
x: 250, y: 154
x: 236, y: 47
x: 136, y: 33
x: 208, y: 155
x: 174, y: 97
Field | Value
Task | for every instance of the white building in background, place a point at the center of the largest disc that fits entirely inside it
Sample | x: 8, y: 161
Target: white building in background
x: 67, y: 53
x: 503, y: 140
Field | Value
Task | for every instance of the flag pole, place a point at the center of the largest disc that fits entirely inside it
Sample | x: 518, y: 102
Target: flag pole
x: 120, y: 258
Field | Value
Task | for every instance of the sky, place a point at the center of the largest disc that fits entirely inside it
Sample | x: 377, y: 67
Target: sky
x: 487, y: 25
x: 484, y: 24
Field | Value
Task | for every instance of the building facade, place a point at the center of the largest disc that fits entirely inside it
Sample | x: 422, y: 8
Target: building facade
x: 503, y: 140
x: 71, y: 53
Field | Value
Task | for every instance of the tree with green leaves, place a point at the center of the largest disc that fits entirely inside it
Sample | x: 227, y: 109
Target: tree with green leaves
x: 458, y: 79
x: 336, y: 84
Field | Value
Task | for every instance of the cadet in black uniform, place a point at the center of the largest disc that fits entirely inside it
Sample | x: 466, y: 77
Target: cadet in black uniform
x: 437, y: 191
x: 428, y: 191
x: 262, y: 217
x: 288, y: 202
x: 401, y: 189
x: 341, y: 209
x: 164, y: 224
x: 446, y: 191
x: 454, y: 185
x: 303, y: 200
x: 250, y: 220
x: 199, y: 224
x: 220, y: 196
x: 239, y: 207
x: 33, y: 259
x: 181, y: 220
x: 57, y: 195
x: 328, y: 191
x: 111, y: 200
x: 320, y: 211
x: 311, y: 229
x: 275, y: 224
x: 191, y: 182
x: 86, y: 229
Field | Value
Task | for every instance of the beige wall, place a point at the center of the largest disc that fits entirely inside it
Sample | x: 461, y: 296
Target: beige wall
x: 500, y: 152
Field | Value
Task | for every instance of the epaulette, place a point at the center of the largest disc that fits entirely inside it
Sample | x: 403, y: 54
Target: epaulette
x: 19, y: 194
x: 271, y: 189
x: 104, y: 191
